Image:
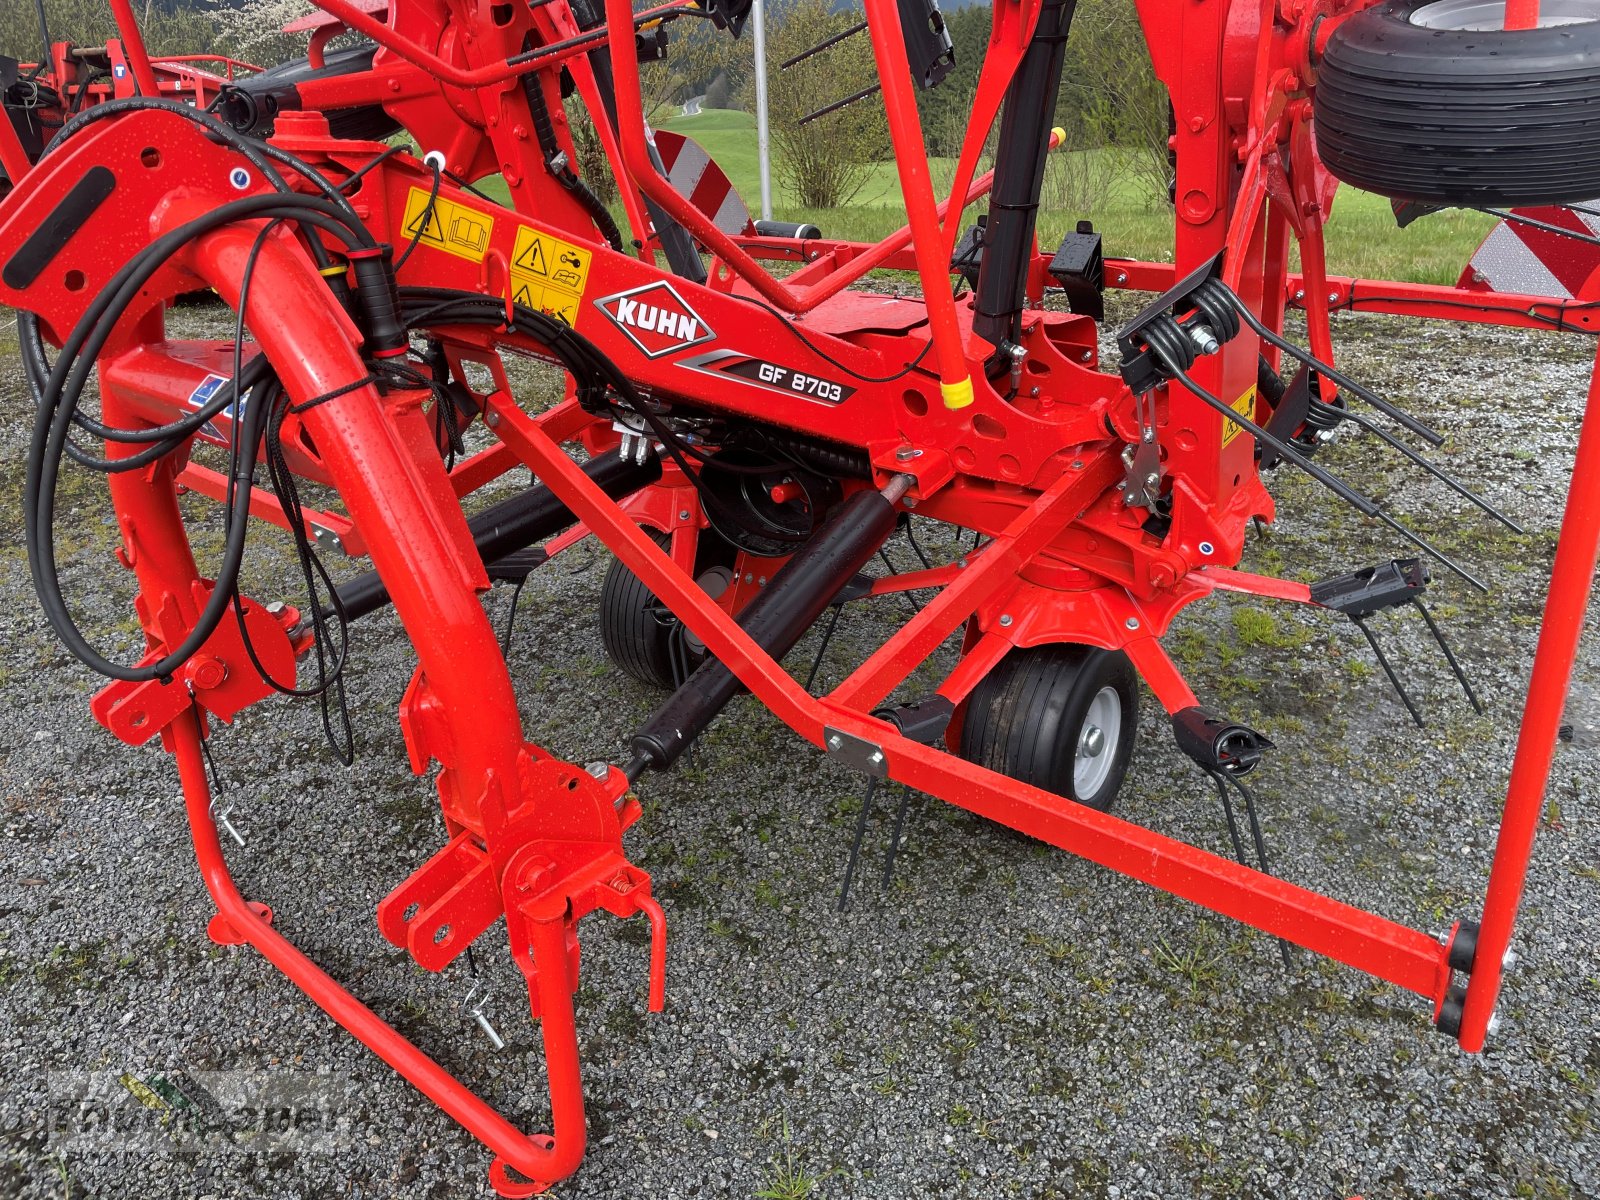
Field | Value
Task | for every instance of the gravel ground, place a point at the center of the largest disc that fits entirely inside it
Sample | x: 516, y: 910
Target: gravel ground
x: 1001, y: 1019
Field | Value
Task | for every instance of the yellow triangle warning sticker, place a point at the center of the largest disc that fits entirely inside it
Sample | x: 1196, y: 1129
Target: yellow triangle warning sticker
x: 445, y: 224
x: 531, y: 258
x: 526, y: 295
x: 425, y: 225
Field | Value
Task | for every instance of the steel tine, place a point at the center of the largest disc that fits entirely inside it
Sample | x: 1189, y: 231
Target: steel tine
x: 1261, y: 849
x: 1426, y: 546
x: 894, y: 838
x: 1438, y: 636
x: 1431, y: 468
x: 1388, y: 670
x: 1432, y: 436
x: 855, y: 843
x: 825, y: 44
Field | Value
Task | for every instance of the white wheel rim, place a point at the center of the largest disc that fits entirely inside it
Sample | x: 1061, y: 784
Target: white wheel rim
x: 1099, y: 739
x: 1488, y: 16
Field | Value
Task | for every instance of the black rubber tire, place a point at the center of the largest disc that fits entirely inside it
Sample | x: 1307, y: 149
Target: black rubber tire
x: 635, y: 638
x: 1461, y: 117
x: 1025, y: 718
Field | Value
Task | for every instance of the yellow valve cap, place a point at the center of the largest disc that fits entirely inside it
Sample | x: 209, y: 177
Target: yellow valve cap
x: 957, y: 395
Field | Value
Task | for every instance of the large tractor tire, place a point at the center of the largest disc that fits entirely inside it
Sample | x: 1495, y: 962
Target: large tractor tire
x: 1432, y: 101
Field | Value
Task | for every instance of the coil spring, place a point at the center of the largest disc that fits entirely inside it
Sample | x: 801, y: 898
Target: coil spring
x: 1322, y: 416
x: 1214, y: 302
x: 1170, y: 344
x: 1168, y: 338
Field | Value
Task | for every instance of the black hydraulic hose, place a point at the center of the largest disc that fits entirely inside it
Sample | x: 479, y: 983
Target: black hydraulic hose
x: 1030, y: 107
x: 56, y: 416
x: 682, y: 254
x: 777, y: 619
x: 516, y: 523
x: 560, y: 170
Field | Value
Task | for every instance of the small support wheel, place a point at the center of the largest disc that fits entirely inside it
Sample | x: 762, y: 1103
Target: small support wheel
x: 1061, y: 717
x: 640, y: 635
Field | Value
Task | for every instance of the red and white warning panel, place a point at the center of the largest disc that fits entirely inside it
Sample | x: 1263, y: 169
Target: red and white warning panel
x: 699, y: 180
x: 1520, y: 257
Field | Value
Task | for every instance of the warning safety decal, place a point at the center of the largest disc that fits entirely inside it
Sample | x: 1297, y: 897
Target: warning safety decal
x: 448, y: 226
x: 548, y: 274
x: 1245, y: 406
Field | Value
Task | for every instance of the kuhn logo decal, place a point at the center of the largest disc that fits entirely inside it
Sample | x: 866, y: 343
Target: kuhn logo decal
x: 656, y: 319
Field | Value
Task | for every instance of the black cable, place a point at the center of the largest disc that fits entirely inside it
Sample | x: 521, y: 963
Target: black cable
x: 1542, y: 226
x: 592, y: 371
x: 828, y: 358
x: 424, y: 220
x: 1353, y: 303
x: 63, y: 391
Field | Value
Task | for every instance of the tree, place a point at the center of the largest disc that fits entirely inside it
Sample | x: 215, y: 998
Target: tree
x: 826, y: 161
x: 168, y: 26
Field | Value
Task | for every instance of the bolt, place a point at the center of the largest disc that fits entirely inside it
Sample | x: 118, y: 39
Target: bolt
x: 1034, y: 393
x: 1333, y: 297
x: 206, y: 672
x: 1131, y: 623
x: 275, y: 607
x: 1149, y: 436
x: 961, y: 563
x: 1300, y: 294
x: 761, y: 581
x: 1204, y: 339
x: 749, y: 578
x: 1086, y: 356
x: 1005, y: 621
x: 1077, y: 464
x: 492, y: 419
x: 835, y: 742
x: 877, y: 757
x: 906, y: 453
x: 1122, y: 277
x: 1152, y: 479
x: 598, y: 769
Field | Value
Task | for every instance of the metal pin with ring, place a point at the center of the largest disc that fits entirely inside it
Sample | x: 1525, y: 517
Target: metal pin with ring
x: 475, y: 1011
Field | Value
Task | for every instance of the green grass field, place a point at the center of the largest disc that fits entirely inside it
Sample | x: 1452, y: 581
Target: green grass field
x: 1363, y: 239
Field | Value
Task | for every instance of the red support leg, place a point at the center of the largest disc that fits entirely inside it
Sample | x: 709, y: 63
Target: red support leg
x: 1571, y: 578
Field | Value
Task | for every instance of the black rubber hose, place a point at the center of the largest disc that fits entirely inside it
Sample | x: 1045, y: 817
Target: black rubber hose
x: 777, y: 619
x: 561, y: 172
x: 516, y: 523
x: 1030, y: 107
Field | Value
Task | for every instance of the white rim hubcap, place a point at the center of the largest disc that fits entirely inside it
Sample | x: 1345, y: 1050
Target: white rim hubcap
x: 1098, y: 741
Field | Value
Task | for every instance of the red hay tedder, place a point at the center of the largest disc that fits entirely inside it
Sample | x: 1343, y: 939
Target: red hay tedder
x: 753, y: 439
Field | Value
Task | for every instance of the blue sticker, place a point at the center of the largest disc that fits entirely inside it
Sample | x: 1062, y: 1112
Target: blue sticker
x: 119, y: 70
x: 204, y: 391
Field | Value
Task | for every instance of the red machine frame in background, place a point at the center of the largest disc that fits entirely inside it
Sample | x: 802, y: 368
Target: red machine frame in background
x: 1037, y: 469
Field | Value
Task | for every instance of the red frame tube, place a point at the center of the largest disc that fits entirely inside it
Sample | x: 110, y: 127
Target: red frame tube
x: 133, y: 45
x: 1571, y: 578
x: 537, y: 1157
